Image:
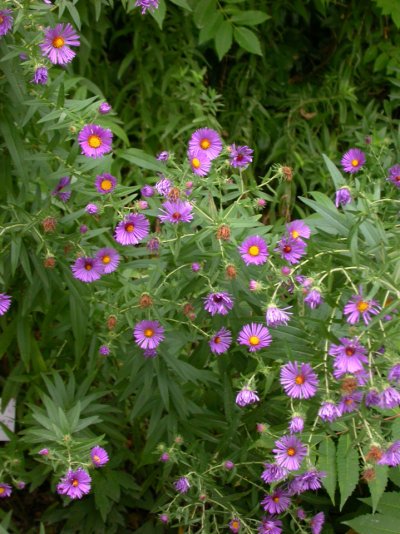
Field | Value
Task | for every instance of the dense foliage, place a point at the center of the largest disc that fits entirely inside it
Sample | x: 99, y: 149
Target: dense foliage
x: 169, y: 330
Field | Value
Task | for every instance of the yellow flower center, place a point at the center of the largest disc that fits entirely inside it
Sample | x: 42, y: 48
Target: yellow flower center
x: 235, y: 524
x: 148, y: 332
x: 355, y: 162
x: 205, y: 143
x: 106, y: 185
x: 94, y: 141
x: 2, y: 490
x: 106, y: 259
x: 75, y: 482
x: 362, y: 306
x: 254, y: 340
x: 275, y: 499
x: 254, y: 250
x: 295, y: 234
x: 58, y: 42
x: 129, y: 228
x: 96, y: 458
x: 291, y: 451
x: 196, y: 163
x: 299, y: 380
x: 217, y: 339
x: 88, y: 266
x: 1, y: 22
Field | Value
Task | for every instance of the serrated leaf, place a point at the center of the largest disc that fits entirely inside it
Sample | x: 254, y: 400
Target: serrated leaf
x: 378, y: 485
x: 248, y: 40
x: 250, y: 18
x: 223, y: 39
x: 211, y: 29
x: 327, y: 463
x: 374, y: 524
x: 348, y: 468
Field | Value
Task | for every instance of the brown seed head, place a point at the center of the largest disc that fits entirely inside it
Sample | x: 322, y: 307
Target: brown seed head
x: 349, y: 385
x: 224, y: 232
x: 174, y: 194
x: 287, y: 173
x: 145, y: 301
x: 374, y: 454
x: 111, y: 322
x: 49, y: 262
x: 368, y: 474
x: 188, y: 308
x: 231, y: 272
x: 49, y: 224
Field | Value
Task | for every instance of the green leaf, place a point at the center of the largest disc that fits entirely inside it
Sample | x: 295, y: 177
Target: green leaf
x: 203, y: 12
x: 390, y: 7
x: 223, y: 39
x: 327, y: 463
x: 374, y: 524
x: 159, y: 13
x: 211, y: 29
x: 336, y: 175
x: 250, y: 18
x: 378, y: 485
x: 141, y: 159
x: 182, y: 3
x: 248, y: 40
x: 348, y: 468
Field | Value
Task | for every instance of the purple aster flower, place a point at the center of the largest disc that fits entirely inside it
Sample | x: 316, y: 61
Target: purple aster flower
x: 358, y: 307
x: 277, y: 502
x: 95, y: 141
x: 218, y: 303
x: 301, y: 514
x: 254, y: 250
x: 75, y: 484
x: 105, y: 183
x: 317, y: 522
x: 246, y: 396
x: 5, y: 489
x: 372, y: 398
x: 285, y: 270
x: 182, y: 485
x: 255, y: 336
x: 83, y: 228
x: 176, y: 212
x: 21, y: 484
x: 296, y: 424
x: 164, y: 518
x: 313, y: 298
x: 349, y: 355
x: 394, y: 373
x: 64, y: 182
x: 234, y: 525
x: 328, y: 411
x: 91, y: 209
x: 299, y: 380
x: 104, y: 108
x: 149, y: 353
x: 205, y: 142
x: 200, y: 164
x: 391, y: 456
x: 389, y: 398
x: 163, y: 156
x: 87, y: 269
x: 254, y: 285
x: 229, y: 465
x: 142, y: 205
x: 109, y: 259
x: 5, y: 303
x: 196, y: 267
x: 221, y: 341
x: 148, y: 334
x: 343, y: 197
x: 350, y: 403
x: 298, y: 229
x: 146, y: 5
x: 261, y: 203
x: 43, y: 452
x: 99, y: 456
x: 308, y: 481
x: 165, y: 457
x: 273, y: 473
x: 40, y: 76
x: 291, y: 249
x: 394, y: 175
x: 57, y: 42
x: 289, y: 452
x: 163, y: 187
x: 132, y: 230
x: 147, y: 191
x: 153, y: 244
x: 270, y: 525
x: 277, y: 316
x: 104, y: 350
x: 353, y: 160
x: 240, y: 156
x: 6, y: 21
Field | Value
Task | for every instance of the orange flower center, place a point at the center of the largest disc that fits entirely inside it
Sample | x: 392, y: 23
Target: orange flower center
x: 106, y: 185
x: 217, y: 339
x: 287, y: 249
x: 205, y: 143
x: 349, y: 351
x: 1, y: 22
x: 295, y: 234
x: 58, y: 42
x: 275, y: 499
x: 149, y: 332
x: 96, y: 458
x: 2, y: 490
x: 299, y: 380
x: 362, y: 306
x: 129, y: 228
x: 106, y: 259
x: 291, y: 451
x: 254, y: 250
x: 254, y: 340
x: 88, y: 266
x: 235, y: 524
x: 355, y: 162
x: 348, y: 401
x: 75, y: 482
x: 397, y: 178
x: 196, y: 163
x: 94, y: 141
